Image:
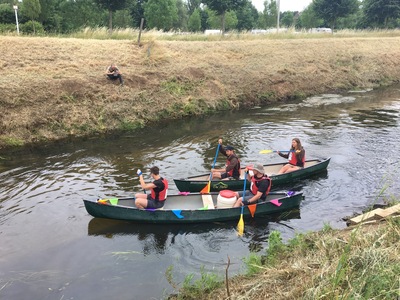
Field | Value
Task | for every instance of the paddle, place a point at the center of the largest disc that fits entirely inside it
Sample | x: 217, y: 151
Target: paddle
x: 240, y: 225
x: 274, y: 151
x: 206, y: 189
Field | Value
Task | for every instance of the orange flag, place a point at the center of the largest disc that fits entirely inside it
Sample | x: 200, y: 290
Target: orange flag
x: 206, y: 189
x: 252, y: 209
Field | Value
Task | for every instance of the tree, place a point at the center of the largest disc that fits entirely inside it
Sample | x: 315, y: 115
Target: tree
x: 31, y: 9
x: 247, y: 16
x: 7, y: 14
x: 287, y: 18
x: 381, y: 13
x: 331, y: 10
x: 214, y: 20
x: 182, y: 16
x: 194, y: 23
x: 192, y: 5
x: 270, y: 13
x: 222, y: 6
x: 161, y: 14
x: 111, y: 6
x: 308, y: 18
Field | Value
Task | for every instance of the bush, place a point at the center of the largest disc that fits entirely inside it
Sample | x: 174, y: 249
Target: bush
x: 32, y: 27
x: 8, y: 28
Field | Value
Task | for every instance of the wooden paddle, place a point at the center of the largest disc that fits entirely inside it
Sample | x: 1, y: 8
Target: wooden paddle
x: 274, y: 151
x: 240, y: 225
x: 206, y: 189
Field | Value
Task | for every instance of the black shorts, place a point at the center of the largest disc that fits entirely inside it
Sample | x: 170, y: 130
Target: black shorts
x: 151, y: 203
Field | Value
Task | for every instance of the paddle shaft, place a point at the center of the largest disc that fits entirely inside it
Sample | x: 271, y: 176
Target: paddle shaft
x: 215, y: 160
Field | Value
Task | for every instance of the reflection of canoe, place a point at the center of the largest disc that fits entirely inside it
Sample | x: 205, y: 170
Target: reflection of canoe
x: 195, y: 184
x: 109, y: 228
x: 192, y: 208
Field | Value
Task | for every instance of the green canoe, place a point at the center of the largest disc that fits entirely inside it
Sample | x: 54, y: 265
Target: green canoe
x: 195, y: 184
x: 191, y: 208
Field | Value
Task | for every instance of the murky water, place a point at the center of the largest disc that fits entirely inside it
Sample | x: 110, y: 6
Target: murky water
x: 52, y: 249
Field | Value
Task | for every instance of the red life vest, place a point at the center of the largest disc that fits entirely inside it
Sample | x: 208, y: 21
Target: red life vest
x: 235, y: 171
x: 255, y: 181
x: 160, y: 195
x: 293, y: 159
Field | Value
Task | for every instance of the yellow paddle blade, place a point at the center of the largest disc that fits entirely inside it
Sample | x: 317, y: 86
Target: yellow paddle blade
x: 240, y: 226
x: 206, y: 189
x: 266, y: 151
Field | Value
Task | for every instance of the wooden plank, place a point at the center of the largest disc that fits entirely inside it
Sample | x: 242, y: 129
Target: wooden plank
x: 208, y: 201
x: 394, y: 210
x: 371, y: 215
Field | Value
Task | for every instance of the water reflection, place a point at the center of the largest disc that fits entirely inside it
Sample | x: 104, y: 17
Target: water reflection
x: 156, y: 239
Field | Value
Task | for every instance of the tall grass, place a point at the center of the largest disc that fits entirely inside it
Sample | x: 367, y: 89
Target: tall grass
x: 102, y: 33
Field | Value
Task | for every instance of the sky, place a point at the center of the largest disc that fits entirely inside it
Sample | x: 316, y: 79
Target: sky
x: 292, y: 5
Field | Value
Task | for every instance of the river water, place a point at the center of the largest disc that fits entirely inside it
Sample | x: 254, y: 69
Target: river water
x: 52, y: 249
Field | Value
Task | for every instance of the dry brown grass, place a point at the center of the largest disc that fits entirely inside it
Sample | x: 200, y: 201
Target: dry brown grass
x: 55, y: 88
x: 309, y: 271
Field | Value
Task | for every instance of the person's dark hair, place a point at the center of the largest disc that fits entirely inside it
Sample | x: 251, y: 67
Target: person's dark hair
x: 299, y: 146
x: 155, y: 170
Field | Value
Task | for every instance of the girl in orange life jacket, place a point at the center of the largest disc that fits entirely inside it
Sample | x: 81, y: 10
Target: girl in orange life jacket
x: 259, y: 187
x: 159, y: 190
x: 232, y: 166
x: 296, y: 156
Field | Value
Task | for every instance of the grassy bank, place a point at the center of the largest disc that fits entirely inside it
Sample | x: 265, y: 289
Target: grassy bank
x: 357, y: 263
x: 55, y: 88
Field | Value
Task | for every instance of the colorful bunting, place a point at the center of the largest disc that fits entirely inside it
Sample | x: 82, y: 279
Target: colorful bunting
x: 275, y: 202
x: 177, y: 213
x: 252, y: 209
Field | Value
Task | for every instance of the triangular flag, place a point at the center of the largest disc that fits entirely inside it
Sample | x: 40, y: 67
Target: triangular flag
x: 252, y: 209
x: 177, y: 213
x: 206, y: 189
x: 204, y: 208
x: 184, y: 193
x: 102, y: 201
x: 275, y: 202
x: 113, y: 201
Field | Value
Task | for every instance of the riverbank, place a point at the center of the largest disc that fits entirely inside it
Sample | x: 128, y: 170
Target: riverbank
x: 357, y: 262
x: 55, y: 88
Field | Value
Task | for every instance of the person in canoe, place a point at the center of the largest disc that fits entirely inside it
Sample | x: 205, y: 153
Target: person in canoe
x: 296, y: 156
x: 260, y: 184
x: 232, y: 166
x: 158, y: 188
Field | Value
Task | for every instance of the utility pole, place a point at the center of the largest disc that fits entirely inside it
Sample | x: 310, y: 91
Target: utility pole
x: 278, y: 9
x: 16, y: 16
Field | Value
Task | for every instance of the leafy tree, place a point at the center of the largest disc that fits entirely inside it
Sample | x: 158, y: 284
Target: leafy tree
x: 194, y: 23
x: 182, y: 20
x: 73, y: 15
x: 111, y: 6
x: 31, y: 9
x: 214, y: 20
x: 247, y: 16
x: 287, y: 18
x: 204, y: 18
x: 308, y: 18
x: 331, y: 10
x: 136, y: 9
x: 192, y: 5
x: 221, y: 7
x: 270, y: 13
x: 7, y: 14
x: 161, y: 14
x: 381, y: 13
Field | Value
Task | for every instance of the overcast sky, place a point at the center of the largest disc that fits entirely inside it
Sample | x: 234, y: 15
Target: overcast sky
x: 292, y: 5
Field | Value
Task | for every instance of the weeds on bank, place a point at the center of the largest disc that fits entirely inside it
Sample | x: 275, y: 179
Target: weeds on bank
x: 194, y: 289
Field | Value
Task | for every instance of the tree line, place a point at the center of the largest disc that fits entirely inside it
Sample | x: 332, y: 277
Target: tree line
x: 67, y: 16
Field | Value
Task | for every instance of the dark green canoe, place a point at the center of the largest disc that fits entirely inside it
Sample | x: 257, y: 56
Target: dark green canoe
x: 195, y: 184
x: 192, y: 208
